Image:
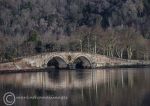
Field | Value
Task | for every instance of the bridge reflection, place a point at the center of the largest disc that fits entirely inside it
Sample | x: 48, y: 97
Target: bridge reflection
x: 62, y: 79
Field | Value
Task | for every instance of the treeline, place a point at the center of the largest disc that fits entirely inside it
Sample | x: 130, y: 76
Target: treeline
x: 116, y: 28
x: 125, y: 42
x: 121, y: 42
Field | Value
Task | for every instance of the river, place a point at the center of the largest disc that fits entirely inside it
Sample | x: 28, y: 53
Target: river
x: 97, y: 87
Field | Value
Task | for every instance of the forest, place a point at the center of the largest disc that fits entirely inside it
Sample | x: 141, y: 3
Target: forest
x: 115, y: 28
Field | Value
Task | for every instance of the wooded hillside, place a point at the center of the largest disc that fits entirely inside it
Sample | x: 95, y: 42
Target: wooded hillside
x: 34, y: 26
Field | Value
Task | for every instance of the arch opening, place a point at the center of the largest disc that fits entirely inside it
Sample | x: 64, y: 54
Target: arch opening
x: 57, y: 63
x: 82, y: 63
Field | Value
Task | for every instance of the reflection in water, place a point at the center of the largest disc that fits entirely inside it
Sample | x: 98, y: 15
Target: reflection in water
x: 107, y: 87
x: 54, y: 75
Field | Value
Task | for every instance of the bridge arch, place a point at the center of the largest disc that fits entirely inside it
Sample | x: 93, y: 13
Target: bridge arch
x: 82, y: 62
x: 57, y: 62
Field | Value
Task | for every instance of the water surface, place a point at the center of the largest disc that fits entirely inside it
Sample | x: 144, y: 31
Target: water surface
x: 101, y: 87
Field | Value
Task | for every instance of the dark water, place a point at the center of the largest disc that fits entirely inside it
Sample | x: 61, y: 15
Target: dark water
x: 103, y: 87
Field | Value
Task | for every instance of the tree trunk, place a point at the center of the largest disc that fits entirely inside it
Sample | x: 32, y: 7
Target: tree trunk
x: 129, y: 51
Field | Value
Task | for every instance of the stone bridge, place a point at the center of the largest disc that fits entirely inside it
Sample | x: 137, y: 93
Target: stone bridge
x: 62, y: 60
x: 76, y: 60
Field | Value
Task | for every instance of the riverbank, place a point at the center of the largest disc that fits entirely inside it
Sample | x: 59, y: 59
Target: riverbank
x: 28, y: 69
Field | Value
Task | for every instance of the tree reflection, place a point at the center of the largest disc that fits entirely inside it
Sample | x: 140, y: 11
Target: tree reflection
x: 113, y: 87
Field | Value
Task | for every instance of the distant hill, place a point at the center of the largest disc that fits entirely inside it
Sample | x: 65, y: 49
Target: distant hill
x: 62, y: 17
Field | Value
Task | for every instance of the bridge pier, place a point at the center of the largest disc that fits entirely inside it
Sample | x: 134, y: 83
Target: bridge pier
x: 71, y: 66
x: 94, y: 65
